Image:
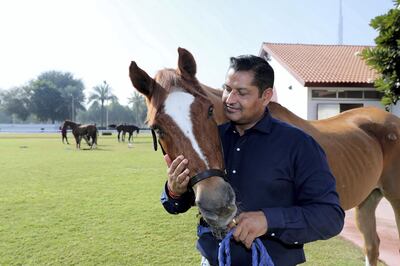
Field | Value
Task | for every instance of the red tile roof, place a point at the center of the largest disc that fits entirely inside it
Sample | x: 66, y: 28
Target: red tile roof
x: 323, y: 65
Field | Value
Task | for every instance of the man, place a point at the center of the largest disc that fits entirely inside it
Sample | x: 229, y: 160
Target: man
x: 64, y: 134
x: 283, y: 184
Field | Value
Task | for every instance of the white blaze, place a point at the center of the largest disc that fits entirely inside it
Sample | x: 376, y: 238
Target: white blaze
x: 177, y: 106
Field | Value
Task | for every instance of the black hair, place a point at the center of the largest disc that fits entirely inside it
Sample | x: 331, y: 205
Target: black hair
x: 263, y: 72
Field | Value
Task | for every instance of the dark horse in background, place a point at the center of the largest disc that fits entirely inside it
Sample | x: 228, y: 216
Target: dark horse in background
x: 87, y: 132
x: 124, y: 128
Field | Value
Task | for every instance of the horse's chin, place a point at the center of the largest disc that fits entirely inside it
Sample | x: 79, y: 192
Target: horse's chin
x: 219, y: 225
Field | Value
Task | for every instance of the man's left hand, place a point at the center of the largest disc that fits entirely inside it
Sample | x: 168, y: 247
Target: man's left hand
x: 249, y: 226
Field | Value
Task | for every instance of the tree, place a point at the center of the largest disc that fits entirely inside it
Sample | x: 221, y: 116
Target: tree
x: 102, y: 93
x: 139, y: 108
x: 16, y: 101
x: 47, y: 101
x: 385, y: 57
x: 71, y: 90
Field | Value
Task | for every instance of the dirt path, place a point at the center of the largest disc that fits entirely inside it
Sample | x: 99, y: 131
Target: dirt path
x: 387, y: 231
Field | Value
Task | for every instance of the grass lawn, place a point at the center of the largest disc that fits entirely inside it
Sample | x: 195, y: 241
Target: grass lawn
x: 62, y: 206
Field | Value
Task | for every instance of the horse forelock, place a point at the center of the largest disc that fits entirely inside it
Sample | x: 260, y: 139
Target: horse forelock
x: 166, y: 81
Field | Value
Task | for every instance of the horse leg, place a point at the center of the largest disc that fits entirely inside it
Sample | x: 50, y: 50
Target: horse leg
x: 366, y: 223
x: 86, y: 139
x: 118, y: 136
x: 78, y: 142
x: 130, y: 136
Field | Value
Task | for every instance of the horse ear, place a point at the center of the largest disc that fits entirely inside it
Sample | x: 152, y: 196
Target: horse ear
x: 186, y: 63
x: 141, y: 80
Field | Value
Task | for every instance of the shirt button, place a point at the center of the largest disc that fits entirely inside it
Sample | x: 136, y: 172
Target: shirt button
x: 273, y: 234
x: 234, y: 171
x: 296, y: 243
x: 238, y: 149
x: 176, y: 204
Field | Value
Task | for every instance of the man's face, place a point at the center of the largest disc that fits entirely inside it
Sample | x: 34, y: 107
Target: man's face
x: 242, y: 102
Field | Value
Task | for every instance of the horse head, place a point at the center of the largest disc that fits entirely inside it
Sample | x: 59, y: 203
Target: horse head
x: 182, y: 115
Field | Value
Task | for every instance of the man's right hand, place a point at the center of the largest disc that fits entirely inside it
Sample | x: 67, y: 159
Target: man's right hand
x: 178, y: 175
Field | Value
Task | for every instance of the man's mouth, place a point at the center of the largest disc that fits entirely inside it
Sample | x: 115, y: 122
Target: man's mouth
x: 231, y: 109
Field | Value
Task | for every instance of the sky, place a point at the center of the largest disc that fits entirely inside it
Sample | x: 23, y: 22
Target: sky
x: 96, y: 40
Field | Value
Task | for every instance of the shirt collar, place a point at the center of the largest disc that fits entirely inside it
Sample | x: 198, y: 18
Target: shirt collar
x: 263, y: 125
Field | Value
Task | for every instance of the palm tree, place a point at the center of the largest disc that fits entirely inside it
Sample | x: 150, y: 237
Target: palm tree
x: 138, y: 106
x: 102, y: 93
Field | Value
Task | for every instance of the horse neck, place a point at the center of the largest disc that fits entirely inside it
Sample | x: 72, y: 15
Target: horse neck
x: 283, y: 114
x: 70, y: 124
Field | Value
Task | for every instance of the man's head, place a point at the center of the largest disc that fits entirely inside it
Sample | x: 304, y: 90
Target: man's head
x: 263, y: 72
x: 247, y: 90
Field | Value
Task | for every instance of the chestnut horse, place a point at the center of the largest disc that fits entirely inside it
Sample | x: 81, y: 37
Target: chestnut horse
x: 362, y: 146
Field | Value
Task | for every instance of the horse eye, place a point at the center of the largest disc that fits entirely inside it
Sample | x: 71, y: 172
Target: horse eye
x: 210, y: 111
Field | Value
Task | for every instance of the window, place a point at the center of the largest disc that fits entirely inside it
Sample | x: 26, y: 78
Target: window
x: 326, y: 110
x: 346, y: 94
x: 323, y: 93
x: 373, y: 95
x: 350, y: 94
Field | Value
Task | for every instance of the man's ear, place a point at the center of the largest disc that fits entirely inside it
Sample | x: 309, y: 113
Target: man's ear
x: 141, y: 80
x: 267, y: 96
x: 186, y: 63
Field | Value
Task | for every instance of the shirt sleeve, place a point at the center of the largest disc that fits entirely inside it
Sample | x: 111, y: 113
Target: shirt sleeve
x: 316, y: 213
x: 177, y: 205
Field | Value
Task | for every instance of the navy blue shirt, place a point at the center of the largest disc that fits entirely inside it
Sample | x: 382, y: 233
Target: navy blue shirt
x: 280, y: 170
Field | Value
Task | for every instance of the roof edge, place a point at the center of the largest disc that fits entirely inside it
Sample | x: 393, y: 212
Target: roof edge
x: 266, y: 50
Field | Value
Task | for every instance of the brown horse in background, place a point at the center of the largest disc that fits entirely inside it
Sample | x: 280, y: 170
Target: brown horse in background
x: 362, y: 145
x: 79, y: 131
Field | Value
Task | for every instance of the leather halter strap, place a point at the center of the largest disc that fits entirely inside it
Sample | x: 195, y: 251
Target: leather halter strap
x: 206, y: 174
x: 200, y: 176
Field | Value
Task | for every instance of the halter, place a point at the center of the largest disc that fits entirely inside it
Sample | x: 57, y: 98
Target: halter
x: 196, y: 178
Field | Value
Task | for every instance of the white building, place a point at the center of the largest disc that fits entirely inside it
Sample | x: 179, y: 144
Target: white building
x: 319, y: 81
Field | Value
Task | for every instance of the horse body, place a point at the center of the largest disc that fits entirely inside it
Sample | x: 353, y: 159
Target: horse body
x: 362, y: 146
x: 79, y: 131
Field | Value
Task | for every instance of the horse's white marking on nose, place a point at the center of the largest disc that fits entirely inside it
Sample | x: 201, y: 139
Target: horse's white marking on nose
x: 177, y: 106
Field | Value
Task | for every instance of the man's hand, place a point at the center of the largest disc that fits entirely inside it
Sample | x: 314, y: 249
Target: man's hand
x: 249, y: 226
x: 178, y: 175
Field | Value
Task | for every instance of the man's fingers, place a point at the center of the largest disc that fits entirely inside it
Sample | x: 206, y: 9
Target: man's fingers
x: 185, y: 182
x: 181, y: 177
x: 174, y: 164
x: 168, y: 160
x: 180, y: 168
x: 249, y: 240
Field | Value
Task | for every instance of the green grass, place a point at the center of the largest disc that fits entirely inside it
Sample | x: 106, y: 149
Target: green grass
x: 62, y: 206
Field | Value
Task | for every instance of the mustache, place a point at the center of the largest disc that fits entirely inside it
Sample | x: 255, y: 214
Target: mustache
x: 234, y: 106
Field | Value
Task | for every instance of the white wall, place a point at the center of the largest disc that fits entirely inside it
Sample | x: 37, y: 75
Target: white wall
x: 294, y: 99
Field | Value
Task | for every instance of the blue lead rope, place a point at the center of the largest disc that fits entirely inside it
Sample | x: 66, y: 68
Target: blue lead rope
x: 260, y: 256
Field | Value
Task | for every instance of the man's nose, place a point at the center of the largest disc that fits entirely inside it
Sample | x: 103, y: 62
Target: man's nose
x: 231, y: 98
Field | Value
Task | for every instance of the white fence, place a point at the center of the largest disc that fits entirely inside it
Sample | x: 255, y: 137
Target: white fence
x: 29, y: 128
